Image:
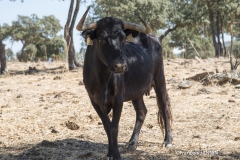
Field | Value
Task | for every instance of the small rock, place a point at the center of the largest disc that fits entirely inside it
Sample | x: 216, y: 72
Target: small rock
x: 149, y: 126
x: 53, y: 130
x: 57, y: 78
x: 81, y: 82
x: 173, y: 80
x: 91, y: 117
x: 219, y: 127
x: 237, y: 86
x: 185, y: 84
x: 203, y: 91
x: 57, y: 95
x: 5, y: 106
x: 236, y: 138
x: 237, y: 96
x: 41, y: 99
x: 196, y: 136
x: 72, y: 125
x: 19, y: 96
x: 231, y: 100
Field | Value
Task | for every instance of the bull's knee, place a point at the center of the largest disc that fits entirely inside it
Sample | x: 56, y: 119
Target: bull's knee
x: 141, y: 115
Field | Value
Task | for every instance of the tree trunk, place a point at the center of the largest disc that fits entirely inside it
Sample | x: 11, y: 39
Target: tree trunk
x: 230, y: 52
x: 186, y: 52
x: 166, y: 33
x: 224, y: 46
x: 22, y: 59
x: 68, y: 35
x: 2, y: 58
x: 219, y: 45
x: 237, y: 63
x: 211, y: 18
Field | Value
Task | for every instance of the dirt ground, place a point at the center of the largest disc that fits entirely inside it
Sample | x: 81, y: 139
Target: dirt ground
x: 35, y: 110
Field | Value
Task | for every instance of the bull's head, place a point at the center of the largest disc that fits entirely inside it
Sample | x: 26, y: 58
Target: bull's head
x: 109, y: 35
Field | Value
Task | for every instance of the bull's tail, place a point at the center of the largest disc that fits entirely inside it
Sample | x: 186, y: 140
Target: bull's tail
x: 164, y: 112
x: 164, y: 108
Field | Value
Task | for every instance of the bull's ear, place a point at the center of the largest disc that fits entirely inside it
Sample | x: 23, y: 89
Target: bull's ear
x: 90, y: 33
x: 134, y: 33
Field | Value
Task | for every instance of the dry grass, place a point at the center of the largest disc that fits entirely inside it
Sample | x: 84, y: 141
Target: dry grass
x: 34, y: 110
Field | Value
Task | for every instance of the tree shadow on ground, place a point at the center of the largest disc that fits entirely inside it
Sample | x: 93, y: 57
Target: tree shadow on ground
x: 83, y: 149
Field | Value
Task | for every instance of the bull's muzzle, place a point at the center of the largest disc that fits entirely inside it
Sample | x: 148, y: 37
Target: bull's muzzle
x: 120, y: 67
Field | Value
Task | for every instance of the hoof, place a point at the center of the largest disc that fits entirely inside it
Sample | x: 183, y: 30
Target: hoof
x: 131, y: 146
x: 110, y: 154
x: 169, y: 146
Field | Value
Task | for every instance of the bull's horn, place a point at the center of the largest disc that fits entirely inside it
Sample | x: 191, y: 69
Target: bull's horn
x: 81, y: 27
x: 147, y: 29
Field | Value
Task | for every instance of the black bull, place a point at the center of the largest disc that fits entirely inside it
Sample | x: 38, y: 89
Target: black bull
x: 116, y: 71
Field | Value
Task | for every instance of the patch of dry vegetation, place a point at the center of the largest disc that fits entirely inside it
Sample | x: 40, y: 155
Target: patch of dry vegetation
x: 48, y: 115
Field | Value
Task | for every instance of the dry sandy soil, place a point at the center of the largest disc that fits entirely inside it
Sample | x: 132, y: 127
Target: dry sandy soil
x: 36, y: 108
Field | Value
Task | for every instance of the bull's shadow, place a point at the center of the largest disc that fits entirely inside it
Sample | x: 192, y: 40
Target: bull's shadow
x: 74, y: 149
x: 70, y: 149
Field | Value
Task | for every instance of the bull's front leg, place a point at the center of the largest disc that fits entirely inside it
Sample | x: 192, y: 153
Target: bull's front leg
x: 117, y: 110
x: 107, y: 124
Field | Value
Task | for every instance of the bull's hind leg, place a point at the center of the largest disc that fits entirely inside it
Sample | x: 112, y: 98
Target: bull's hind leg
x: 164, y: 107
x: 141, y: 112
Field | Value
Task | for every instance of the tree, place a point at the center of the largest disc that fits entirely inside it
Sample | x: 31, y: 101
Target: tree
x: 33, y: 30
x: 68, y: 35
x: 3, y: 58
x: 192, y: 43
x: 167, y: 15
x: 235, y: 65
x: 220, y: 12
x: 9, y: 54
x: 4, y: 34
x: 53, y: 49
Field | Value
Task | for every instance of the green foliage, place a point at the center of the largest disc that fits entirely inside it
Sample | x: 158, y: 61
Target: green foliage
x: 38, y: 36
x: 160, y: 14
x: 53, y: 48
x: 182, y: 39
x: 236, y: 49
x: 167, y: 50
x: 30, y: 52
x: 9, y: 54
x: 4, y: 32
x: 152, y: 11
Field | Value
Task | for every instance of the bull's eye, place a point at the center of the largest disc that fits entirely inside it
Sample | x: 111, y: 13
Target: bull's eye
x: 124, y: 40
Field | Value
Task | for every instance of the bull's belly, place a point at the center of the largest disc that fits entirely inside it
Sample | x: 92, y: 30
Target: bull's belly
x: 137, y: 89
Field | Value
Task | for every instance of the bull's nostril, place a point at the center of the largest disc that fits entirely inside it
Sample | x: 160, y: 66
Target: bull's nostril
x: 120, y: 67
